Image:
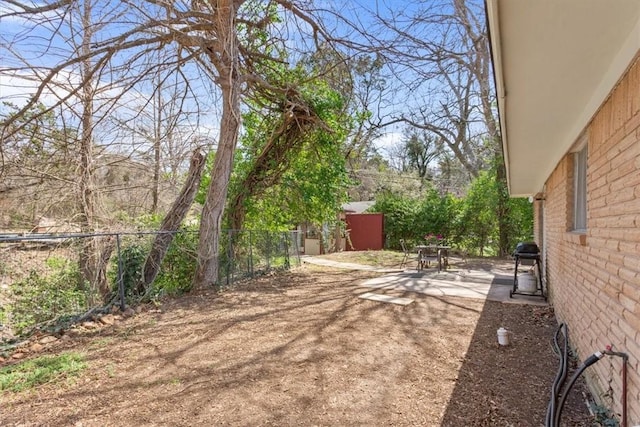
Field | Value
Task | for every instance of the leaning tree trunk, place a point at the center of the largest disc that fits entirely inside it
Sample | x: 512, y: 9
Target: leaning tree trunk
x: 173, y: 219
x: 226, y: 61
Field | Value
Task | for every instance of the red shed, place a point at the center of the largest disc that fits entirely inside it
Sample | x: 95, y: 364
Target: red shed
x: 366, y: 231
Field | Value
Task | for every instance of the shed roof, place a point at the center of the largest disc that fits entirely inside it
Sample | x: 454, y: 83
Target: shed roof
x: 357, y: 207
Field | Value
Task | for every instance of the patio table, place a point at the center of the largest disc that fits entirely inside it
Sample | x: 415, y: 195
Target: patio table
x: 438, y: 253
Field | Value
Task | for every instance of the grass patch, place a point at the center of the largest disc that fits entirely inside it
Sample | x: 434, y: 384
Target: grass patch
x: 100, y: 343
x: 42, y: 370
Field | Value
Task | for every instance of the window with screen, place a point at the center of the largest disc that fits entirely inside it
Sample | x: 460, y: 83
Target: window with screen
x: 580, y: 189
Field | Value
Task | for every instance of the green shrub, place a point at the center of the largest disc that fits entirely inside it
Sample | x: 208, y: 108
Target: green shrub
x: 472, y: 224
x: 40, y: 298
x: 132, y: 258
x: 179, y: 264
x: 176, y: 271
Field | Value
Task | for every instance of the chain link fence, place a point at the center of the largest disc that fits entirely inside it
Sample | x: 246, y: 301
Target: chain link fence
x: 45, y: 282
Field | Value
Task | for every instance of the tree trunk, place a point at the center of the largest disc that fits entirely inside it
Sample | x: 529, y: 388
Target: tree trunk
x: 502, y: 210
x: 157, y: 135
x: 213, y: 209
x: 173, y: 219
x: 211, y: 221
x: 95, y: 252
x: 207, y: 269
x: 86, y: 178
x: 94, y: 258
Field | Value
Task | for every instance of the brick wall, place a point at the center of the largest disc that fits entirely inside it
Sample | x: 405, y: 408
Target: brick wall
x: 594, y: 277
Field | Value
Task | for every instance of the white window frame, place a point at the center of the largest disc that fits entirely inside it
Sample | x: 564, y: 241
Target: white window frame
x: 580, y: 189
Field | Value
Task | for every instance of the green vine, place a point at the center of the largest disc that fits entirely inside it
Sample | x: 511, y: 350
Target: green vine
x: 604, y: 416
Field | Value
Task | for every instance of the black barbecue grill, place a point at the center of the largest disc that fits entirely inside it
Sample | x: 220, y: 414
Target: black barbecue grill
x: 528, y: 253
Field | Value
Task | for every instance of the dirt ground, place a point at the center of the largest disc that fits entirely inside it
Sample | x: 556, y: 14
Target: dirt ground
x: 300, y: 349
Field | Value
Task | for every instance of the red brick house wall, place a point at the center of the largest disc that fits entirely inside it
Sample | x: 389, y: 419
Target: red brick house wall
x: 594, y: 277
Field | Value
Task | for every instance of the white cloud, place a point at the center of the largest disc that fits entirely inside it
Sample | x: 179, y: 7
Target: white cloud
x: 19, y: 87
x: 388, y: 141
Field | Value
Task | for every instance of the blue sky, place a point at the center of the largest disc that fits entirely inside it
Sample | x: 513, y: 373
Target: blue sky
x: 12, y: 88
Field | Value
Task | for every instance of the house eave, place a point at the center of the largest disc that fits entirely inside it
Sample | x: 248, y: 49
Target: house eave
x: 555, y: 62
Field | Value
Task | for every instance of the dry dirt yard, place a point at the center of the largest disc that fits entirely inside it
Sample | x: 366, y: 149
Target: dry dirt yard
x: 300, y: 349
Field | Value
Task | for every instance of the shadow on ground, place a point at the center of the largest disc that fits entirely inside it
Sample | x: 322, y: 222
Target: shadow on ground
x: 514, y: 381
x: 298, y: 349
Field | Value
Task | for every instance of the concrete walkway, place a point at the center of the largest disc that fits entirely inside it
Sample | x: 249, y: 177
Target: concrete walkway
x: 465, y: 283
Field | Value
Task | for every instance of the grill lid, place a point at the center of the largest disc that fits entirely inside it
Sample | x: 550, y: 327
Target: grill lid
x: 527, y: 248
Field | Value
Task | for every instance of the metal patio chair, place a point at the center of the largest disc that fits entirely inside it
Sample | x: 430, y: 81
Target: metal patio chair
x: 406, y: 252
x: 426, y: 256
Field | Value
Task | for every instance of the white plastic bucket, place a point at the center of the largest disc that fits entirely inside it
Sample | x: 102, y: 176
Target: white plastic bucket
x: 503, y: 336
x: 527, y: 283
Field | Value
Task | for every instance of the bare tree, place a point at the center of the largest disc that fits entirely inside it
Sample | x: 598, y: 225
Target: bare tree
x: 36, y: 169
x: 95, y: 250
x: 439, y: 53
x: 219, y: 42
x: 163, y: 133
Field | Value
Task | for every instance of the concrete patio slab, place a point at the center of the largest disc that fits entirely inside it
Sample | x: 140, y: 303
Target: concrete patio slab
x: 486, y: 284
x: 386, y: 298
x: 476, y: 284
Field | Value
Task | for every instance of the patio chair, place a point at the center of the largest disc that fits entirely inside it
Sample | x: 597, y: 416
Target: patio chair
x: 407, y: 254
x: 443, y: 255
x: 426, y: 256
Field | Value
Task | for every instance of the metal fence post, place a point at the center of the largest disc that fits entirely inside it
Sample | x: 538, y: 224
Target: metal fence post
x: 230, y: 258
x: 285, y: 240
x: 250, y: 260
x: 268, y: 250
x: 296, y: 238
x: 120, y: 275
